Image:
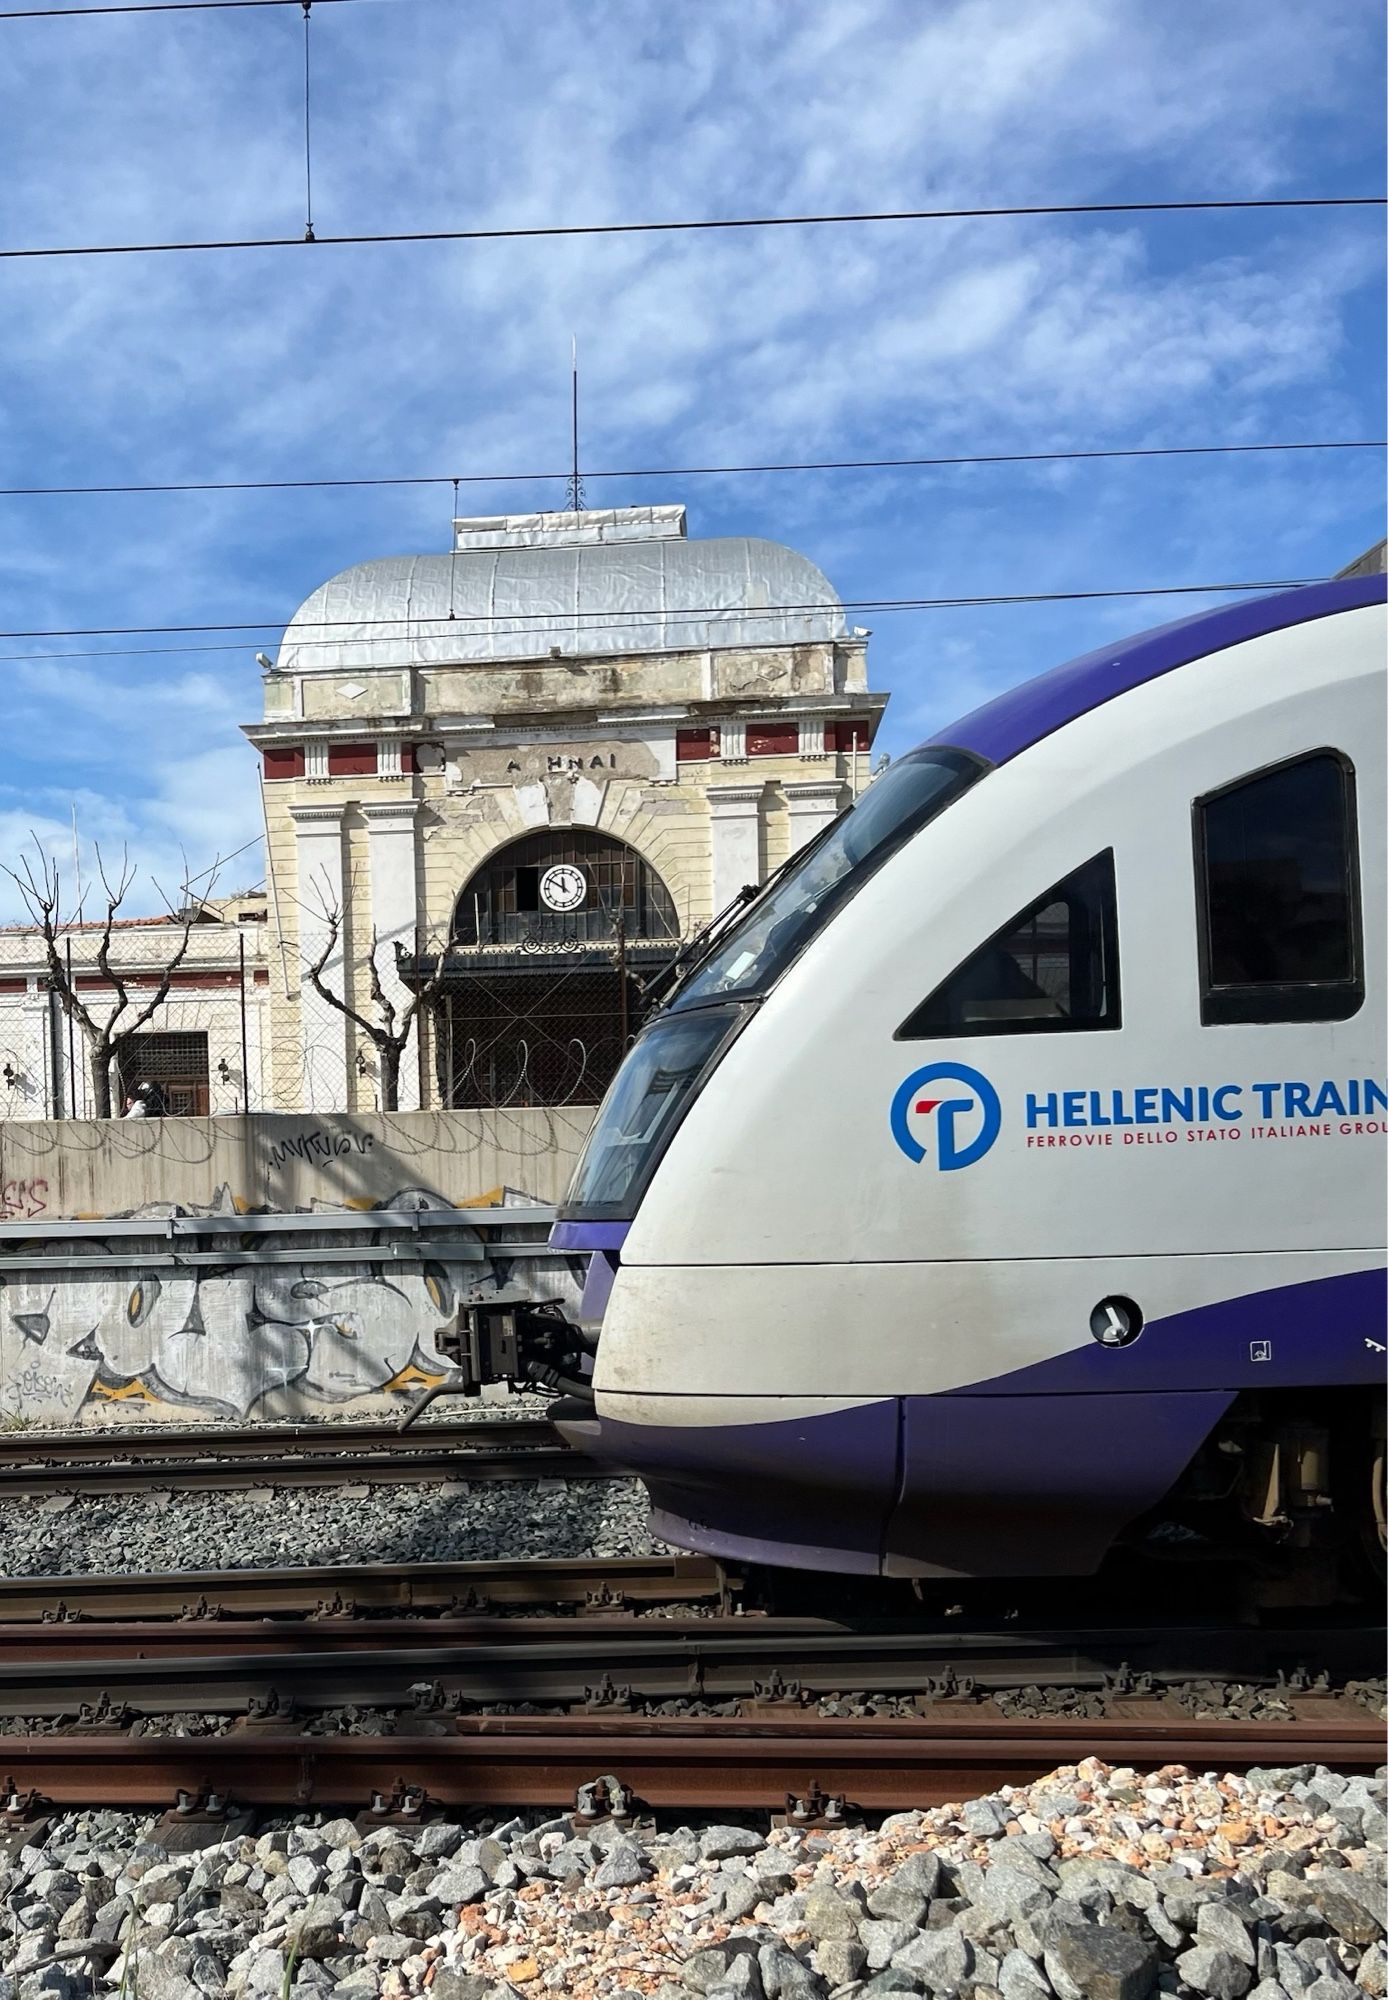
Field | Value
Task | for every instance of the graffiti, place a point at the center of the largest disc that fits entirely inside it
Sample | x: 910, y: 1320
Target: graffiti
x: 317, y: 1146
x: 291, y: 1322
x: 24, y: 1199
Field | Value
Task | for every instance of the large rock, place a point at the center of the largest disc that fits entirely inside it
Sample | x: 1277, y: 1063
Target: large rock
x: 1020, y: 1979
x: 1352, y: 1908
x: 1010, y: 1894
x: 839, y: 1959
x: 1089, y: 1963
x: 466, y: 1884
x: 829, y: 1915
x: 1219, y: 1923
x: 703, y: 1971
x: 882, y: 1938
x: 624, y: 1868
x: 943, y: 1960
x: 717, y: 1843
x: 1214, y: 1972
x: 785, y: 1977
x: 899, y: 1900
x: 984, y: 1818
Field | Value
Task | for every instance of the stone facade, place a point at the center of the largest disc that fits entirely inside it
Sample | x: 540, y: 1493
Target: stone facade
x: 660, y: 719
x: 700, y: 706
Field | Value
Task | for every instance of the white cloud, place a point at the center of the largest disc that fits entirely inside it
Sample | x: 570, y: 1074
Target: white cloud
x: 830, y: 342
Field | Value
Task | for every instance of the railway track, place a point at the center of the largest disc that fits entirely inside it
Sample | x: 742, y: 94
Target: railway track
x: 219, y: 1460
x: 514, y: 1683
x: 712, y: 1763
x: 363, y: 1590
x: 619, y: 1665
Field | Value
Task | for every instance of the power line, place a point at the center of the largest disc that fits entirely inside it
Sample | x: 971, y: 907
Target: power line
x: 517, y: 233
x: 690, y: 471
x: 151, y: 7
x: 600, y: 621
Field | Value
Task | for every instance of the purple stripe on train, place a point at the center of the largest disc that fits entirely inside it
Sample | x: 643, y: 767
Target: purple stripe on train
x: 1025, y: 1474
x: 1001, y: 729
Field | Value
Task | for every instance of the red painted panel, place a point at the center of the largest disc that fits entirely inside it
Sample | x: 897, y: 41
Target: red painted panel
x: 695, y: 743
x: 773, y: 739
x: 847, y: 735
x: 351, y: 760
x: 285, y: 761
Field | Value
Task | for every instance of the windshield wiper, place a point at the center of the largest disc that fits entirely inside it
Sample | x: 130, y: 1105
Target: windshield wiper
x: 696, y: 949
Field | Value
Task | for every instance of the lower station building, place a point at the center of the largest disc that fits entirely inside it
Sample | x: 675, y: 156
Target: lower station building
x: 504, y: 781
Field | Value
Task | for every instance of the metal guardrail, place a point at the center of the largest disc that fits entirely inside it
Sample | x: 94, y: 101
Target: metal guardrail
x: 181, y: 1241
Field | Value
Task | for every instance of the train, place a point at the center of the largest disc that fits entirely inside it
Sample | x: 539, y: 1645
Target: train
x: 1004, y: 1183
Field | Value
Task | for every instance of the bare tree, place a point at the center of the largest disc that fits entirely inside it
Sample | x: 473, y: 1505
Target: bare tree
x: 39, y: 883
x: 390, y: 1024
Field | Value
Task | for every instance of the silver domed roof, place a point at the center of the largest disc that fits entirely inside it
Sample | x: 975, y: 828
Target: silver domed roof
x: 527, y: 591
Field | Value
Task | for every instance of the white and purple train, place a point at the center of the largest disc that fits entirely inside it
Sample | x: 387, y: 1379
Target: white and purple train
x: 1013, y: 1166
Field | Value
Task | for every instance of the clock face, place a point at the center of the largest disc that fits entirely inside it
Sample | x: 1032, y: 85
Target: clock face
x: 564, y: 887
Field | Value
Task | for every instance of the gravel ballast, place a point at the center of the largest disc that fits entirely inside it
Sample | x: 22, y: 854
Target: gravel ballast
x: 490, y: 1521
x: 1092, y: 1884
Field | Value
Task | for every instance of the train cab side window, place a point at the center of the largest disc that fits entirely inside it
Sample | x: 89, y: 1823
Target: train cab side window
x: 1052, y: 970
x: 1277, y: 887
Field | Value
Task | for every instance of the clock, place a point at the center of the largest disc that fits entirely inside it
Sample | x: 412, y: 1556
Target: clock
x: 564, y: 887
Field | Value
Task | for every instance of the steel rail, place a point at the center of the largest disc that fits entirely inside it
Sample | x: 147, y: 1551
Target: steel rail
x: 212, y: 1460
x: 403, y: 1467
x: 716, y: 1763
x: 43, y: 1448
x: 367, y: 1587
x: 716, y: 1660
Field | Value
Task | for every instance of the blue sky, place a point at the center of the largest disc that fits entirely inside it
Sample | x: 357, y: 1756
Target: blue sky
x: 822, y: 343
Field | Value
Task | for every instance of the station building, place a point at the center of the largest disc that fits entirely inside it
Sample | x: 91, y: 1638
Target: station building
x: 515, y: 774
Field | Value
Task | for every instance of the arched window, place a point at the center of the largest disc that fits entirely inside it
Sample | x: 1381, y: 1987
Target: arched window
x: 555, y: 941
x: 566, y: 883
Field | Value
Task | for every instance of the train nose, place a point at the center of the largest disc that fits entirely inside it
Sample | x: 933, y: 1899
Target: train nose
x: 577, y: 1423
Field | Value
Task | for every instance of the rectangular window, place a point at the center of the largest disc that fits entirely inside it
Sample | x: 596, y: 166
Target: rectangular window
x: 527, y: 889
x: 1053, y: 969
x: 351, y: 760
x: 1277, y: 891
x: 167, y: 1073
x: 846, y: 735
x: 285, y: 761
x: 693, y: 744
x: 773, y: 739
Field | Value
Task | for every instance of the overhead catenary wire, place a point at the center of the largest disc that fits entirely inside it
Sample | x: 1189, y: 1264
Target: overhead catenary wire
x: 600, y: 621
x: 151, y: 7
x: 683, y: 225
x: 1059, y: 457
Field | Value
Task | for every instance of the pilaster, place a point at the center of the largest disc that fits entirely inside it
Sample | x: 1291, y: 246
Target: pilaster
x: 318, y: 854
x: 391, y: 838
x: 735, y: 822
x: 811, y: 806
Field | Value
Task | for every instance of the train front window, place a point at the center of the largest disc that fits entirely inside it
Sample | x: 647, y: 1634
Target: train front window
x: 1053, y: 968
x: 781, y: 922
x: 646, y: 1101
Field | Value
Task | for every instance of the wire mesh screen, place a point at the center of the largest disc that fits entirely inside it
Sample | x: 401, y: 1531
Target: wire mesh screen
x: 168, y: 1072
x: 549, y: 1036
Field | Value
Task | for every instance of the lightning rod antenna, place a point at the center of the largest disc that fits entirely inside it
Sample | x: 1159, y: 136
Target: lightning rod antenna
x: 574, y: 494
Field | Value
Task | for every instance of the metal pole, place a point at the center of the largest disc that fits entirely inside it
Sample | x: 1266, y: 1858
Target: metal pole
x: 622, y: 978
x: 245, y: 1057
x: 71, y: 1042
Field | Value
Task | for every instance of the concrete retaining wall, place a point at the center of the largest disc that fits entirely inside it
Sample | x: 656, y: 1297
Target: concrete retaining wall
x: 257, y: 1321
x: 280, y: 1164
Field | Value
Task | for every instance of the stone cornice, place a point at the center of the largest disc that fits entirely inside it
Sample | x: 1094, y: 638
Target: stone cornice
x: 317, y: 815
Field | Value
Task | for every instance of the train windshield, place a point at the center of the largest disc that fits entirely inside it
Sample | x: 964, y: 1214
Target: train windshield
x: 647, y: 1098
x: 781, y: 922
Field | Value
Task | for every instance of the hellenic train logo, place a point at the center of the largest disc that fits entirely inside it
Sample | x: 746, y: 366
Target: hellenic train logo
x: 947, y: 1108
